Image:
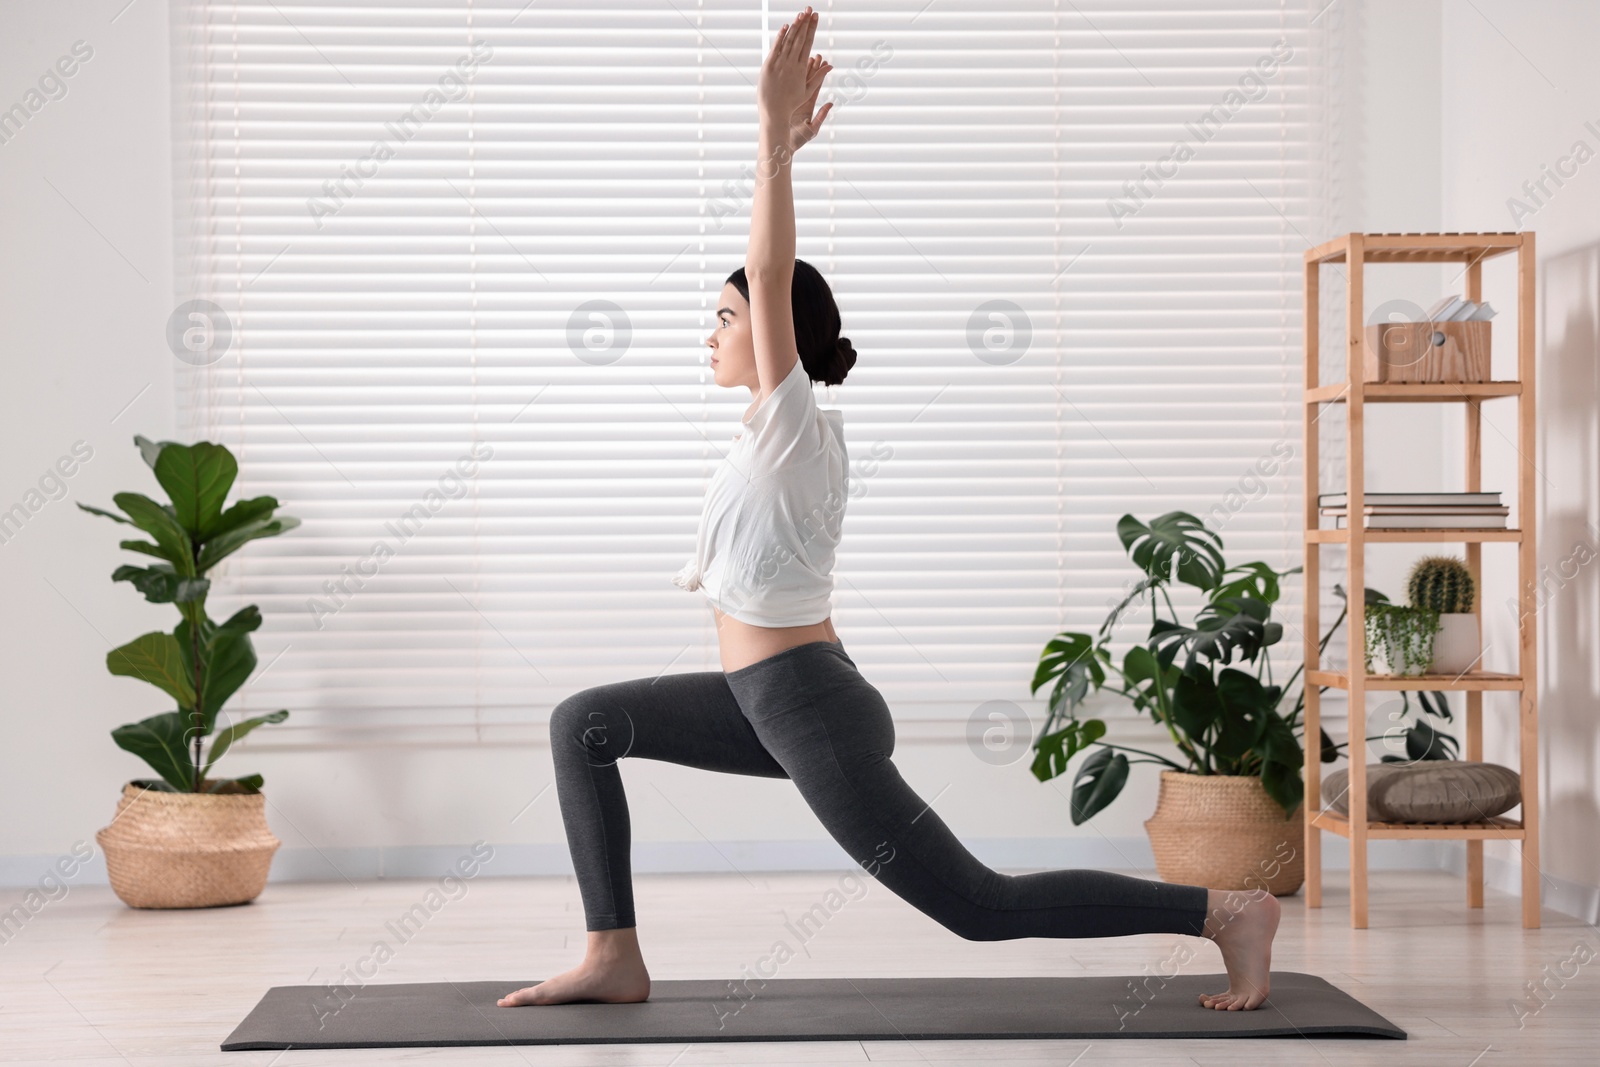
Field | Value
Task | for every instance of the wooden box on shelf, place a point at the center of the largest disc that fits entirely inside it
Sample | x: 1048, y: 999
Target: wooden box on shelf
x: 1427, y: 352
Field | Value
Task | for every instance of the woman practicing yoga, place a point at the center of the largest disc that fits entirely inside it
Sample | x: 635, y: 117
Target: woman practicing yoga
x: 789, y: 702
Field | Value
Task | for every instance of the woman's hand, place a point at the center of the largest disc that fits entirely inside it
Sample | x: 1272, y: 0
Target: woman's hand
x: 790, y: 80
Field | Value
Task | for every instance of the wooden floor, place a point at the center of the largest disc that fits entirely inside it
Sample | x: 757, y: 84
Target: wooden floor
x: 91, y: 982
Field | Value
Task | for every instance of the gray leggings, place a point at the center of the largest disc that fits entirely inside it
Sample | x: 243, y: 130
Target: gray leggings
x: 807, y: 714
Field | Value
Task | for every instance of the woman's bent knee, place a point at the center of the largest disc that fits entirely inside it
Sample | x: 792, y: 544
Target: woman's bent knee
x: 588, y: 725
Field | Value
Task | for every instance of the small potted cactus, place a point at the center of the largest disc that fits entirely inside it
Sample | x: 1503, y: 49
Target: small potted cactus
x: 1444, y: 584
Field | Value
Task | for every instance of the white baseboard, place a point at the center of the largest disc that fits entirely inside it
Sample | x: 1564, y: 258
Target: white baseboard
x: 1557, y: 894
x: 298, y: 864
x: 21, y: 873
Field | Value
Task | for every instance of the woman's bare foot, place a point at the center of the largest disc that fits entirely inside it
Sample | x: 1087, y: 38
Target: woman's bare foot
x: 1242, y: 924
x: 612, y: 971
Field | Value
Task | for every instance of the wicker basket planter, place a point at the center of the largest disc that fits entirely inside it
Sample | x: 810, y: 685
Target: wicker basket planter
x: 187, y: 850
x: 1225, y: 832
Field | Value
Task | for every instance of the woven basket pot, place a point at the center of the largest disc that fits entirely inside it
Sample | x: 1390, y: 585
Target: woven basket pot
x: 1225, y: 832
x: 187, y: 850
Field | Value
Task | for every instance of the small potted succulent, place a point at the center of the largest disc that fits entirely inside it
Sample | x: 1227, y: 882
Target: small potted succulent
x: 1444, y: 584
x: 186, y: 839
x: 1399, y: 639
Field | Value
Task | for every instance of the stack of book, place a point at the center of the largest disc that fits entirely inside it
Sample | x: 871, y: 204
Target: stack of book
x: 1420, y: 511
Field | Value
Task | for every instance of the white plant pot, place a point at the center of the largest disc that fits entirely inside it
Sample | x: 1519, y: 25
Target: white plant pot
x: 1459, y: 644
x: 1381, y: 664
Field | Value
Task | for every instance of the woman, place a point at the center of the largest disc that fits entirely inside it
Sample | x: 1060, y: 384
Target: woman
x: 789, y: 702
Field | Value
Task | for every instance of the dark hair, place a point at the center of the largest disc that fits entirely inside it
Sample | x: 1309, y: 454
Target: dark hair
x: 827, y: 356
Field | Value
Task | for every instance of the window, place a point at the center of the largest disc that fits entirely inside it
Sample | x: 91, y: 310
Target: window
x: 467, y: 255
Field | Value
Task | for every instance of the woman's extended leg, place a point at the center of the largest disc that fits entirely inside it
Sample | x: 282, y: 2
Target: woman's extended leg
x: 687, y: 718
x: 832, y: 733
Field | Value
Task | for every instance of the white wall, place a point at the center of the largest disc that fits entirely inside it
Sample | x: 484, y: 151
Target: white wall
x: 85, y: 288
x: 1519, y: 85
x: 83, y: 307
x: 1400, y: 173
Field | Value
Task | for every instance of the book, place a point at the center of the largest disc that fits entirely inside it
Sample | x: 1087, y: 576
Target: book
x: 1464, y: 514
x: 1445, y: 307
x: 1427, y: 522
x: 1423, y: 509
x: 1458, y: 309
x: 1339, y: 500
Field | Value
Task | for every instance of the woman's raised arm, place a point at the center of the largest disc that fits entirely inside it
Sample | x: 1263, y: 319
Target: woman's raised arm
x: 786, y: 97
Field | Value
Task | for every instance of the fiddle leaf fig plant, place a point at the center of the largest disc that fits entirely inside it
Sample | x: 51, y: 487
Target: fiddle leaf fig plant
x: 201, y: 663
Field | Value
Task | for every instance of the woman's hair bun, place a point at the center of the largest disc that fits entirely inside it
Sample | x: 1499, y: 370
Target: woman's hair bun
x: 846, y: 359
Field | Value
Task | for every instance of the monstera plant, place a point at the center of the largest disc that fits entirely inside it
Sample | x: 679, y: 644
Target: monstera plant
x: 1208, y: 683
x: 201, y: 663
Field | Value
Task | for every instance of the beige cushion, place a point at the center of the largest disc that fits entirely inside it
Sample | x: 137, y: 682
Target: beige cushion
x: 1429, y: 791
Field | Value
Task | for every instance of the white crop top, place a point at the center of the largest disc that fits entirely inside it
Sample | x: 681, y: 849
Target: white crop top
x: 773, y: 512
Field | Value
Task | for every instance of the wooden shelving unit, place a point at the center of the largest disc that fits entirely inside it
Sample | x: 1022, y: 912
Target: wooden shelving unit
x: 1471, y: 249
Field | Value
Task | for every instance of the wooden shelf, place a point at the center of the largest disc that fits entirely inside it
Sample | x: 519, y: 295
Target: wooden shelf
x: 1346, y: 409
x: 1438, y: 535
x: 1414, y: 392
x: 1418, y: 247
x: 1470, y: 682
x: 1495, y: 829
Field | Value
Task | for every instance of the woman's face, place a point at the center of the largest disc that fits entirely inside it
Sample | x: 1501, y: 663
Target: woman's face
x: 733, y: 353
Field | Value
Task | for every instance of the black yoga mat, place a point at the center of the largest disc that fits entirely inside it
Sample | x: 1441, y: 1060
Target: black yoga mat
x: 403, y: 1015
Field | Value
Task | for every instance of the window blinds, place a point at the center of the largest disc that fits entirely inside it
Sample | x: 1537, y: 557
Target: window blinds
x: 466, y: 256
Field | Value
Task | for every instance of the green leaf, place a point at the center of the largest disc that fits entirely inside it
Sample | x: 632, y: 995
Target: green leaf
x: 1254, y: 580
x: 230, y: 734
x: 250, y: 783
x: 1423, y: 742
x: 1372, y: 595
x: 225, y: 544
x: 1149, y: 679
x: 162, y: 742
x: 244, y: 511
x: 1222, y: 628
x: 227, y: 658
x: 1055, y: 750
x: 1245, y: 716
x: 246, y: 620
x: 197, y: 478
x: 1283, y: 785
x: 1330, y: 751
x: 107, y: 514
x: 160, y: 584
x: 159, y: 523
x: 1099, y: 782
x: 1196, y: 706
x: 1072, y: 659
x: 147, y: 548
x: 1177, y: 535
x: 1434, y: 703
x: 154, y: 658
x: 191, y: 589
x: 1279, y: 743
x: 230, y: 660
x: 1167, y: 639
x: 150, y: 450
x: 1140, y: 665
